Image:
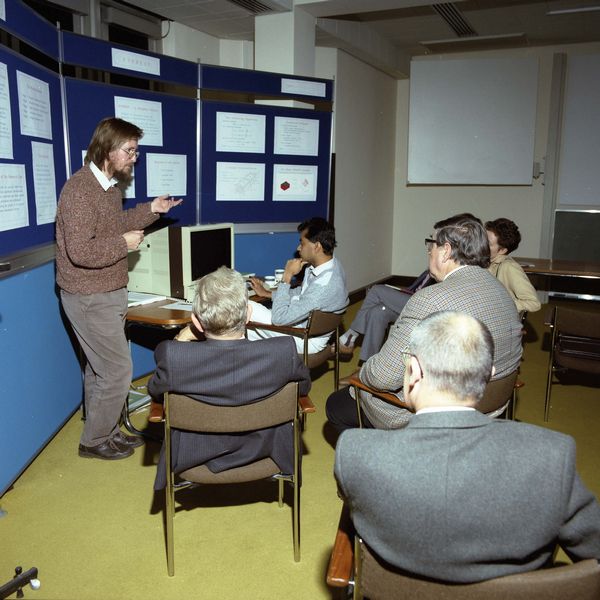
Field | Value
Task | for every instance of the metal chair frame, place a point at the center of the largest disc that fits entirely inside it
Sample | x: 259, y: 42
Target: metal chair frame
x: 577, y: 357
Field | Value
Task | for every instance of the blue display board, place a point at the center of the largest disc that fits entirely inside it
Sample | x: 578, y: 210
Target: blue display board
x: 99, y: 54
x: 172, y: 142
x: 250, y: 186
x: 27, y: 25
x: 262, y: 82
x: 25, y: 219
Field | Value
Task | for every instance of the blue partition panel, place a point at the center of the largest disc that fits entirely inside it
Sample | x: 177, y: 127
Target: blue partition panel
x: 26, y: 24
x: 40, y: 379
x: 262, y: 253
x: 89, y: 102
x: 267, y: 209
x: 46, y: 84
x: 91, y: 52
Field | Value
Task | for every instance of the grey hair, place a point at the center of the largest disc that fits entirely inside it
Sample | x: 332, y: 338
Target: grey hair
x: 468, y: 241
x: 456, y: 353
x: 221, y: 302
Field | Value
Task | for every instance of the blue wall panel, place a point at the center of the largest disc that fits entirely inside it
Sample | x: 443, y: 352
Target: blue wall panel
x: 262, y: 253
x: 39, y: 371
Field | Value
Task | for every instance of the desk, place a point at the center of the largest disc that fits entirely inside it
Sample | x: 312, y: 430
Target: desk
x: 560, y: 268
x: 566, y: 278
x: 155, y: 315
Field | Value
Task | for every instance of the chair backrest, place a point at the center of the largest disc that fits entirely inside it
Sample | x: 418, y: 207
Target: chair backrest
x: 187, y: 413
x: 579, y: 581
x: 577, y: 322
x: 497, y: 393
x: 320, y: 322
x: 577, y: 339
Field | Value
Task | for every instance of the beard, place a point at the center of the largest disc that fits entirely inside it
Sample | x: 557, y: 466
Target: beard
x: 123, y: 175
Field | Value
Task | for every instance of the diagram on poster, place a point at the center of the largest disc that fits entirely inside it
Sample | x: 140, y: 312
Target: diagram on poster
x: 297, y: 183
x: 240, y: 181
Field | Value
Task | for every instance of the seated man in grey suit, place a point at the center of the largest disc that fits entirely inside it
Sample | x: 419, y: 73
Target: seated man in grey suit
x: 459, y: 255
x: 227, y: 370
x: 382, y: 306
x: 457, y: 496
x: 323, y: 287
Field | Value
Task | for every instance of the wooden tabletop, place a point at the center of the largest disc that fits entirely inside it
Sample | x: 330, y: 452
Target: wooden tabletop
x: 155, y: 314
x: 560, y: 268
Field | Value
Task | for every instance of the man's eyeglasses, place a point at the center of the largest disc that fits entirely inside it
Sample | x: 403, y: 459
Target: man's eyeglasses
x: 429, y: 243
x: 131, y: 152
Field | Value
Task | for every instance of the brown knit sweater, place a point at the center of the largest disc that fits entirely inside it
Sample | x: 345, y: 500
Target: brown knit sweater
x: 91, y: 252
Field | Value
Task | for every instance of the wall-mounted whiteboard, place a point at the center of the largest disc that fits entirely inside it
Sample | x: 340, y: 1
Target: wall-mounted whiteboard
x: 578, y: 173
x: 472, y: 121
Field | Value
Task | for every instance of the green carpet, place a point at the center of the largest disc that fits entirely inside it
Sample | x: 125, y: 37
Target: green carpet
x: 94, y: 529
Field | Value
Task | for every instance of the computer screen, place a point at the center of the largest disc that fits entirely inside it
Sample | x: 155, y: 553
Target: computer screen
x: 210, y: 249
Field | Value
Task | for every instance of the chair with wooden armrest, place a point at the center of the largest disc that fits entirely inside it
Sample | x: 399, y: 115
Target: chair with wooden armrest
x: 498, y: 398
x: 354, y: 566
x: 358, y: 385
x: 319, y: 323
x: 575, y: 345
x: 185, y: 413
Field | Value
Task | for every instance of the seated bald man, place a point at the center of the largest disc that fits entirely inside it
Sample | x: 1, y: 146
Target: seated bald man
x: 457, y: 496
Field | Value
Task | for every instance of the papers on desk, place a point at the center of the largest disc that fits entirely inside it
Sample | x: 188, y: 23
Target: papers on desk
x: 139, y: 298
x: 179, y: 305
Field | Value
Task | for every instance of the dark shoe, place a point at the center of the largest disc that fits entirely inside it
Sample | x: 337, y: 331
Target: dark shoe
x: 157, y: 413
x: 128, y: 441
x: 346, y: 380
x: 109, y: 450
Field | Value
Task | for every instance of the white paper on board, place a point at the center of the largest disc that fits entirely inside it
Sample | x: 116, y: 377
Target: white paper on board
x: 44, y: 182
x: 296, y: 136
x: 6, y: 136
x: 34, y: 106
x: 166, y: 174
x: 13, y: 197
x: 146, y: 114
x: 240, y: 132
x: 135, y: 61
x: 295, y: 183
x: 240, y: 182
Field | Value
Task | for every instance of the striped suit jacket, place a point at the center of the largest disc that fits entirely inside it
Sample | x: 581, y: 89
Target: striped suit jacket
x: 469, y: 289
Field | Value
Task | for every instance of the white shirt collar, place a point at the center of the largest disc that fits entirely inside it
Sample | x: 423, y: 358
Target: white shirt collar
x: 103, y: 180
x: 323, y: 267
x: 435, y: 409
x: 455, y: 270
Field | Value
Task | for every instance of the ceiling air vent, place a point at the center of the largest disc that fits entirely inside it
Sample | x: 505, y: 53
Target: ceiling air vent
x: 454, y: 19
x: 259, y: 7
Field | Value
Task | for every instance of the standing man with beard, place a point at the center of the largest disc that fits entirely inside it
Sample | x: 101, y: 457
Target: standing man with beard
x: 93, y: 237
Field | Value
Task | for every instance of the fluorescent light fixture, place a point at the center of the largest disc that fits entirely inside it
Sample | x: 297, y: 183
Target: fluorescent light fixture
x: 568, y: 11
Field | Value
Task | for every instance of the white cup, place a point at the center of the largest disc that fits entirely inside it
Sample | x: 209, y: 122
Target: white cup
x: 270, y: 281
x: 279, y: 275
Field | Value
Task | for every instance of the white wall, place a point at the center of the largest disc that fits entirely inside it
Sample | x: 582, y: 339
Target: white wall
x: 186, y: 43
x: 364, y: 143
x: 416, y: 208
